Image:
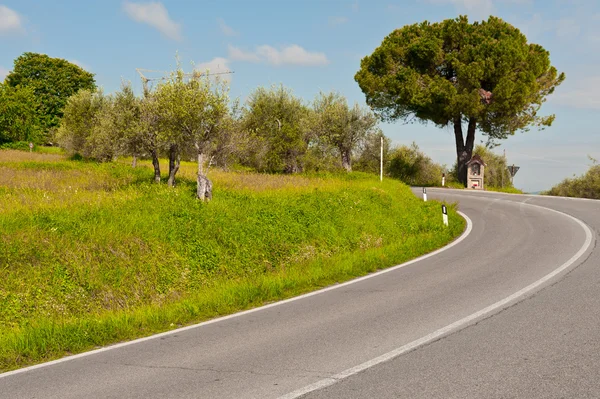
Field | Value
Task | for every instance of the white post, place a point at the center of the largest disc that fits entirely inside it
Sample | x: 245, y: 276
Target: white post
x: 445, y: 215
x: 424, y: 194
x: 381, y: 161
x: 443, y: 180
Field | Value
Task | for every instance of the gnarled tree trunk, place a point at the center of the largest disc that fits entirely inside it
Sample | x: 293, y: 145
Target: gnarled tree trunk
x: 204, y: 186
x: 464, y: 149
x: 156, y: 165
x: 292, y: 162
x: 346, y: 159
x: 174, y: 162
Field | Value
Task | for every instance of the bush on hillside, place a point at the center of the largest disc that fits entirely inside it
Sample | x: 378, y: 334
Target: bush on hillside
x: 585, y: 186
x: 413, y: 167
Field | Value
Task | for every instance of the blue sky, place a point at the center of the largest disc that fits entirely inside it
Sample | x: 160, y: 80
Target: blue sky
x: 317, y: 45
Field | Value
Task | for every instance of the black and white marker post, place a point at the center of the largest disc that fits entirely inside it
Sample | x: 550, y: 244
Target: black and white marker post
x: 445, y: 215
x: 443, y: 180
x: 424, y: 194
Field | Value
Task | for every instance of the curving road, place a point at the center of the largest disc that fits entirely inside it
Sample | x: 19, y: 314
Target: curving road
x: 512, y: 310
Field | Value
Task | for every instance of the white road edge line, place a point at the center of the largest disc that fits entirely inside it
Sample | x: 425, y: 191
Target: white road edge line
x: 258, y: 309
x: 326, y: 382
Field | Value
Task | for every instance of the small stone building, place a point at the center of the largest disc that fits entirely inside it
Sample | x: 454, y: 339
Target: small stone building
x: 475, y: 169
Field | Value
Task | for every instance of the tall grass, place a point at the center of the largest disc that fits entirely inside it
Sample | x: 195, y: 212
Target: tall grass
x: 93, y: 254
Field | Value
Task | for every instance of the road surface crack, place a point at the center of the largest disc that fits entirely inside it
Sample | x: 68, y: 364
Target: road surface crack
x: 305, y: 373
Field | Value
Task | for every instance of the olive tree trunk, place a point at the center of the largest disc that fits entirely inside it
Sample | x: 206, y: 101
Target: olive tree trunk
x: 134, y: 161
x: 174, y: 162
x: 346, y: 159
x: 156, y: 165
x: 464, y: 149
x: 204, y: 186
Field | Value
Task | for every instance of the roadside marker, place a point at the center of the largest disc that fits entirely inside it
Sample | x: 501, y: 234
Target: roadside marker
x: 445, y: 215
x: 424, y: 194
x: 443, y: 179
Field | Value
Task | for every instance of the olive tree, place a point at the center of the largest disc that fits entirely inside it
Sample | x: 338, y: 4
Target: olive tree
x: 80, y: 117
x: 341, y: 126
x: 275, y: 119
x: 482, y: 75
x: 190, y: 113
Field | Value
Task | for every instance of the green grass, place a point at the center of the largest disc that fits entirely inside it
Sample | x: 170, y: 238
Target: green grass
x: 508, y: 190
x: 93, y: 254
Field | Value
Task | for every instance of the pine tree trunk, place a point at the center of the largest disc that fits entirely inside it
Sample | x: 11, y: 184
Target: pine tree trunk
x: 346, y: 160
x: 204, y: 186
x: 174, y: 162
x: 156, y: 165
x: 464, y: 149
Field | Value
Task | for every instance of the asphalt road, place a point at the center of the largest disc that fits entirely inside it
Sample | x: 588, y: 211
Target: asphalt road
x: 512, y: 310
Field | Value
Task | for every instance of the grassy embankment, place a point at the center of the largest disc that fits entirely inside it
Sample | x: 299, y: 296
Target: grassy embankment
x: 92, y: 254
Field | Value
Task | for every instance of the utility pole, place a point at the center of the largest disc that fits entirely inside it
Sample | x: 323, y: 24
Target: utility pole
x: 502, y: 174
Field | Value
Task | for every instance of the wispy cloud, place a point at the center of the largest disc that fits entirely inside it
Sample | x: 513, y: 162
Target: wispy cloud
x: 217, y: 65
x: 226, y: 29
x: 290, y: 55
x: 3, y: 73
x: 10, y: 21
x: 155, y: 15
x: 237, y: 54
x: 354, y: 6
x: 337, y: 20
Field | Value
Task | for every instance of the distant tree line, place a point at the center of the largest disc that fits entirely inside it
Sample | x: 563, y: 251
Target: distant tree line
x: 193, y: 118
x: 188, y: 118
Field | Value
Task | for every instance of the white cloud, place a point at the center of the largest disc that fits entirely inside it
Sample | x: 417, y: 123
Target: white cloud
x: 155, y: 15
x: 3, y: 73
x: 216, y: 65
x: 339, y: 20
x: 290, y: 55
x: 354, y: 6
x: 237, y: 54
x: 582, y: 92
x: 226, y: 29
x: 10, y: 20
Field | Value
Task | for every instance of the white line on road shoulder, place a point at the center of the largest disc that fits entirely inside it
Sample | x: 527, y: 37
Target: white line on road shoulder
x: 258, y: 309
x: 326, y: 382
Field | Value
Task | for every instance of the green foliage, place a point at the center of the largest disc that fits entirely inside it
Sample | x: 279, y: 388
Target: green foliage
x: 369, y: 156
x: 437, y: 72
x: 52, y: 80
x: 413, y: 167
x: 339, y: 126
x: 127, y: 121
x: 496, y: 173
x: 19, y: 120
x: 585, y: 186
x: 91, y: 255
x: 277, y: 122
x: 81, y: 114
